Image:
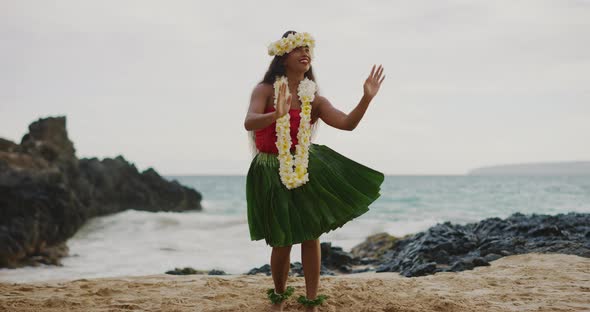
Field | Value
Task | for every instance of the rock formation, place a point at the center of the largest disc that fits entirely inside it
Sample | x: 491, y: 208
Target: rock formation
x: 47, y: 193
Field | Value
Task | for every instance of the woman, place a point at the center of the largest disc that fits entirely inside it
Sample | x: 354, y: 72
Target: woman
x: 326, y: 189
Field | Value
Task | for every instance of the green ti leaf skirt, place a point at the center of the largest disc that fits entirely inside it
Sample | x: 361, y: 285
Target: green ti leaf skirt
x: 339, y: 190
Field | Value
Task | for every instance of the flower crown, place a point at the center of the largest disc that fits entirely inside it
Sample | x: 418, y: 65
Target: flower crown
x: 292, y: 41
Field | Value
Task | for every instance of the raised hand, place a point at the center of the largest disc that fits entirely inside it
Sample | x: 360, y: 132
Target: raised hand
x: 372, y: 84
x: 283, y: 102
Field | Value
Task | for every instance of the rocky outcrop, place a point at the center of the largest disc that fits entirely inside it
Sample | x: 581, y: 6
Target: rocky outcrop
x: 295, y: 269
x: 333, y: 260
x: 47, y: 193
x: 190, y: 271
x: 452, y: 247
x: 121, y: 186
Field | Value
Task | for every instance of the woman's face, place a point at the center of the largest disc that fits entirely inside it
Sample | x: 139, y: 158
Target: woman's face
x: 298, y: 60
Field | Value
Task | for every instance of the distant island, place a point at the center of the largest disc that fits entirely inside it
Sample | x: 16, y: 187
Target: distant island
x: 569, y: 168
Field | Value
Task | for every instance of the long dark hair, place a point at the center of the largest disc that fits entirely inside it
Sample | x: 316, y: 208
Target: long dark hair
x: 277, y: 69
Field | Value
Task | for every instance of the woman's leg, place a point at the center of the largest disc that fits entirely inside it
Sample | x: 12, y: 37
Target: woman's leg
x: 280, y: 263
x: 311, y: 258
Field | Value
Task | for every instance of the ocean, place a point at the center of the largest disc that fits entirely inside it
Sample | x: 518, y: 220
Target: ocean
x: 134, y: 242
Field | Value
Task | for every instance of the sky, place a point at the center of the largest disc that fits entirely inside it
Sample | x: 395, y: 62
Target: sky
x: 167, y: 84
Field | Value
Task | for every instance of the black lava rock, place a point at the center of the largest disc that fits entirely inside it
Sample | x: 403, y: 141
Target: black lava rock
x: 454, y: 247
x: 47, y: 193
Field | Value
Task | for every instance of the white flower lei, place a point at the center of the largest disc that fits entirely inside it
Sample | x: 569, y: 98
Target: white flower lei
x: 292, y: 41
x: 290, y: 177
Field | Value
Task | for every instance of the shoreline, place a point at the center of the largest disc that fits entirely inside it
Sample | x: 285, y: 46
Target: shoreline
x: 525, y: 282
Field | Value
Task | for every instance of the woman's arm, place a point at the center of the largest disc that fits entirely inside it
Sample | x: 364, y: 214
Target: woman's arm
x: 338, y: 119
x: 256, y: 118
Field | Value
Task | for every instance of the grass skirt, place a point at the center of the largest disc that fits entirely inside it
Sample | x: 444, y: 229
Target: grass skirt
x: 339, y: 190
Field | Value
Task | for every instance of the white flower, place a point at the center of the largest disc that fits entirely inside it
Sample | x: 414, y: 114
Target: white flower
x: 292, y: 41
x: 306, y: 90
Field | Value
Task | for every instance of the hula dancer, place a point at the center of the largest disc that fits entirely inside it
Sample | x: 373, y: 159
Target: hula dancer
x: 296, y: 190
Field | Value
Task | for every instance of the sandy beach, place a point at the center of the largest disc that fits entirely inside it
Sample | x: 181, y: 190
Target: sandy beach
x: 529, y: 282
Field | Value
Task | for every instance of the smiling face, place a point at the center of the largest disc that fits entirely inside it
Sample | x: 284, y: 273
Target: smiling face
x: 298, y: 60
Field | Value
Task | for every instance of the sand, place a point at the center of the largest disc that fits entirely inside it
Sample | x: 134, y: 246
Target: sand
x: 529, y: 282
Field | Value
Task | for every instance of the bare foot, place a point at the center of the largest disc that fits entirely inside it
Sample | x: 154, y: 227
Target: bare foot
x: 311, y: 309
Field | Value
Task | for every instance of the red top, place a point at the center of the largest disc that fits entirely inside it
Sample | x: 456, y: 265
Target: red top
x: 267, y: 137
